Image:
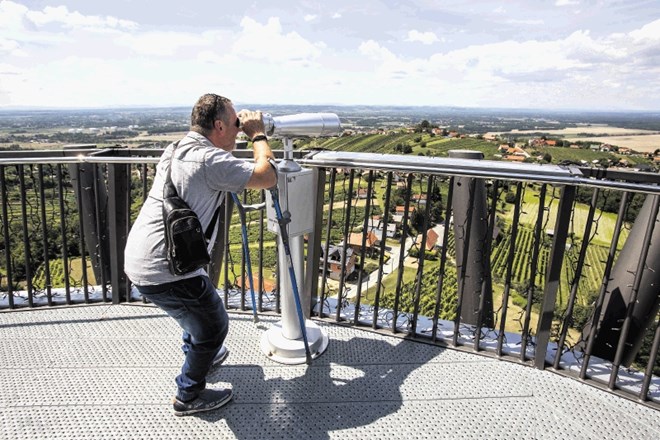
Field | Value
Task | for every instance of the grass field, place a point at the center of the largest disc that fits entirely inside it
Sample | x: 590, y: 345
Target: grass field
x: 602, y: 233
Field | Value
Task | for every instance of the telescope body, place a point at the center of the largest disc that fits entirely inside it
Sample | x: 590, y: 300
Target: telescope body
x: 302, y: 125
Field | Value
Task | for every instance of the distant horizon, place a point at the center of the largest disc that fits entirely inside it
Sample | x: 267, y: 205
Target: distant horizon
x: 265, y: 106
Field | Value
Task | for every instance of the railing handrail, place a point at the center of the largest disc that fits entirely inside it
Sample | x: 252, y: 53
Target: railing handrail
x: 484, y: 169
x: 127, y: 156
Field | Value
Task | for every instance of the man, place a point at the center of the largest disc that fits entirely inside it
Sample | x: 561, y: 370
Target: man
x: 202, y: 170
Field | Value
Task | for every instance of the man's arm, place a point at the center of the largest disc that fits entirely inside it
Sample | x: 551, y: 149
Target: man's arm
x: 264, y: 175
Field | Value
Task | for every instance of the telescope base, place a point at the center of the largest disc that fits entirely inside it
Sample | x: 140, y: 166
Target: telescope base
x: 292, y: 351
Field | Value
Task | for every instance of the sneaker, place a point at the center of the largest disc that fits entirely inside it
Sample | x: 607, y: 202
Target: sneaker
x: 208, y: 400
x: 220, y: 357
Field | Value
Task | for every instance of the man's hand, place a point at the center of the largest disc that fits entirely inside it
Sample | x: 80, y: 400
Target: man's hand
x: 251, y: 123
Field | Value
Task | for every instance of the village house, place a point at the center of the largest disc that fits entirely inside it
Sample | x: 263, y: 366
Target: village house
x: 400, y: 209
x: 397, y: 219
x: 362, y: 193
x: 419, y: 198
x: 517, y: 151
x: 391, y: 232
x: 433, y: 239
x: 355, y: 242
x: 334, y: 266
x: 374, y: 222
x: 375, y: 225
x: 516, y: 154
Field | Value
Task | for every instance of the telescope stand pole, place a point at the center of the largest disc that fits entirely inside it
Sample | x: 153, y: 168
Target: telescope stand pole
x: 288, y: 205
x: 284, y: 235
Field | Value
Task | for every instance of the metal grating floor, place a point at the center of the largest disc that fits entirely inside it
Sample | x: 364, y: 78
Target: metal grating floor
x: 106, y: 372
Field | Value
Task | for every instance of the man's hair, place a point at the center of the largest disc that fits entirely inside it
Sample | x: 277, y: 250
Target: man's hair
x: 207, y: 109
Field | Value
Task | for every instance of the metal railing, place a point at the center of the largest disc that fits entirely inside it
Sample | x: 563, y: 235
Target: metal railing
x: 511, y: 260
x: 515, y: 260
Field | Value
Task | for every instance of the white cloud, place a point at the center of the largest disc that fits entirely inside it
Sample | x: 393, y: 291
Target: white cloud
x: 161, y: 43
x: 422, y: 37
x: 8, y: 69
x: 528, y: 21
x: 56, y: 55
x: 269, y: 43
x: 567, y: 2
x: 575, y: 71
x: 648, y: 32
x: 610, y: 83
x: 74, y: 20
x: 11, y: 48
x: 375, y: 51
x: 11, y: 16
x: 336, y: 15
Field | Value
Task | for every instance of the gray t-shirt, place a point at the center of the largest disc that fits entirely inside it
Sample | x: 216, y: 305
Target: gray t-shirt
x: 200, y: 173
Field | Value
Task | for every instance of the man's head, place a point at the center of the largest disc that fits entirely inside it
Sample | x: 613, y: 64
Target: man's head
x: 214, y: 117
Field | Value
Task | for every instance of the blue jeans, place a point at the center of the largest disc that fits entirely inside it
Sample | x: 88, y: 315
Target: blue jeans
x: 196, y: 306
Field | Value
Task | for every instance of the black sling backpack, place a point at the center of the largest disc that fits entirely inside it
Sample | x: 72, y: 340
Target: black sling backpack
x: 186, y: 243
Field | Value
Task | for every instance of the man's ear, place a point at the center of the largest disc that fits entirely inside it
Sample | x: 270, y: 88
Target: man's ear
x: 218, y: 124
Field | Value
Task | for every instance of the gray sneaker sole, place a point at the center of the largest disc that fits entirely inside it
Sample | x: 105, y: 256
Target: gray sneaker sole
x: 220, y: 404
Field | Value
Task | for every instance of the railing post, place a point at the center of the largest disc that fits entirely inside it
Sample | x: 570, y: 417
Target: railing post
x: 4, y: 199
x: 118, y: 225
x: 627, y: 273
x: 477, y: 285
x: 311, y: 288
x: 553, y: 274
x: 90, y: 190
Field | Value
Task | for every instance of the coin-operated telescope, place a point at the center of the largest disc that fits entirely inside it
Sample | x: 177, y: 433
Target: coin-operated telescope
x: 290, y: 210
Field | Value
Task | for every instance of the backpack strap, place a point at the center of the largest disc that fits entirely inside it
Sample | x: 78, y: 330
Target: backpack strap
x: 169, y: 190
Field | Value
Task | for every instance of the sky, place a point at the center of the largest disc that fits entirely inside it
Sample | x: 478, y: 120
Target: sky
x: 554, y: 54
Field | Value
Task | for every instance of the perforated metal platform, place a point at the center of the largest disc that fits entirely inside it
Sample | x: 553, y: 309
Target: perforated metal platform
x: 107, y: 372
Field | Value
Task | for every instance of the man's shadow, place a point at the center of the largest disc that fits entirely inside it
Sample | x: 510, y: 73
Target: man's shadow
x: 354, y: 383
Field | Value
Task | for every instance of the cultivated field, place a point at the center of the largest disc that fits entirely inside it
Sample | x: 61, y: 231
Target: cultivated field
x: 640, y: 143
x: 643, y: 141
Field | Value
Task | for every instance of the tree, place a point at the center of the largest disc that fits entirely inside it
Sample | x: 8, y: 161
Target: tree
x: 417, y: 220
